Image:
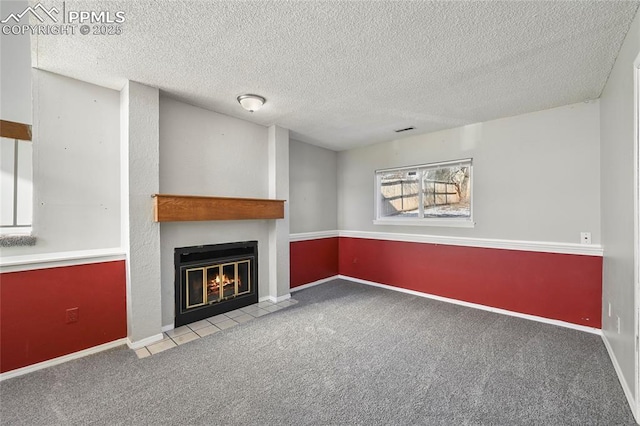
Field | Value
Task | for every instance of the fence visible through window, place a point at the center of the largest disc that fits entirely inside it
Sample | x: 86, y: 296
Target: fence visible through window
x: 427, y: 191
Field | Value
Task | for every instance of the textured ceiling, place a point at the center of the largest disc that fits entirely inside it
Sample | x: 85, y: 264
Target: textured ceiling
x: 346, y: 74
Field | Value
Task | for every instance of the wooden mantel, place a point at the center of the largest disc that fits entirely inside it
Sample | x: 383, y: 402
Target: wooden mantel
x: 13, y: 130
x: 177, y: 208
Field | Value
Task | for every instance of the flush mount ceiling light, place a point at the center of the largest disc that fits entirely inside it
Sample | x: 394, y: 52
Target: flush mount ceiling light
x: 251, y: 102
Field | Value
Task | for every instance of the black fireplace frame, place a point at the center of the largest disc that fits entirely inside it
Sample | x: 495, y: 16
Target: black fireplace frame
x: 195, y: 255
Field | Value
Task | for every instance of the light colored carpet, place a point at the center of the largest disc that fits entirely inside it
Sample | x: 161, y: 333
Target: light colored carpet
x: 346, y: 354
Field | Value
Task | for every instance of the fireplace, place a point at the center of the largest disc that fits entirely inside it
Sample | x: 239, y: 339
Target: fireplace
x: 214, y: 279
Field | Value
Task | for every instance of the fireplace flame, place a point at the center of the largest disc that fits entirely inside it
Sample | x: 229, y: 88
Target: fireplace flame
x: 225, y: 281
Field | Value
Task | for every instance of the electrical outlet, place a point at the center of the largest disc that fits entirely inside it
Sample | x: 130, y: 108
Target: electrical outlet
x: 618, y: 325
x: 609, y: 309
x: 585, y: 237
x: 73, y: 314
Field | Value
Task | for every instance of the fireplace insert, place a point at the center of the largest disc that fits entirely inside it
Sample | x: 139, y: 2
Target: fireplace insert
x: 214, y: 279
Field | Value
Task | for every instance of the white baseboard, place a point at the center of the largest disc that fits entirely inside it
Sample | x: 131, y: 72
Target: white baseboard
x: 61, y: 359
x: 621, y: 379
x: 168, y: 327
x: 275, y: 299
x: 144, y: 342
x: 311, y: 284
x: 478, y: 306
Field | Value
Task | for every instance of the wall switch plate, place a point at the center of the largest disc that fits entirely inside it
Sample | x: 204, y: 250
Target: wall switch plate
x: 609, y: 309
x: 618, y: 325
x: 73, y: 314
x: 585, y: 237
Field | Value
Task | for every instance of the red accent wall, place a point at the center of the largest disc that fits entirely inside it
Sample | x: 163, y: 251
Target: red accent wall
x: 313, y: 260
x: 33, y: 307
x: 556, y: 286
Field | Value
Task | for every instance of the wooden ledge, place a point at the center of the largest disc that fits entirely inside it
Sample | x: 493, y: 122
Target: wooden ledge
x: 13, y: 130
x: 178, y: 208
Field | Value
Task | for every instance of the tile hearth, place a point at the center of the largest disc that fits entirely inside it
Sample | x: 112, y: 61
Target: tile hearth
x: 205, y: 327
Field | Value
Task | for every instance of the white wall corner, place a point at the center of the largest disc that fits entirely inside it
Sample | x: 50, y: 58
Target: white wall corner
x: 618, y: 144
x: 628, y: 393
x: 278, y: 156
x: 139, y: 122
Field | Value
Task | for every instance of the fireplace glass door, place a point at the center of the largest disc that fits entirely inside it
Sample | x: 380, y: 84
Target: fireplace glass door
x: 211, y: 284
x: 214, y: 279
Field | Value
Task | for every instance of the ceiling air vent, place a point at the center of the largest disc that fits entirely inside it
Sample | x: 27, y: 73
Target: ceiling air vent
x: 404, y: 130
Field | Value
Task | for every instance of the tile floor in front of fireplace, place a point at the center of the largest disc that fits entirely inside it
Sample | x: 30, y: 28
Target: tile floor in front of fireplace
x: 205, y: 327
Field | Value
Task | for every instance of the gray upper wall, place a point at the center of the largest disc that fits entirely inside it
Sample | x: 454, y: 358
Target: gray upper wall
x: 313, y: 188
x: 617, y: 169
x: 76, y: 166
x: 535, y: 176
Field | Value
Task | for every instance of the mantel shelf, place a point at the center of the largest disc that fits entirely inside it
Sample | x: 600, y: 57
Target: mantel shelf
x: 178, y: 208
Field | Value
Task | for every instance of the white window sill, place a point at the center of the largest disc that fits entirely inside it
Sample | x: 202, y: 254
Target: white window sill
x: 449, y: 223
x: 16, y: 230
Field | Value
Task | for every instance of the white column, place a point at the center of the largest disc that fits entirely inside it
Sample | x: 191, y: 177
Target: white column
x: 278, y: 141
x: 139, y: 128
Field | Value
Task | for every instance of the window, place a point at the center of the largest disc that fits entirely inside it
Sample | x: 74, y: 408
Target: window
x: 16, y: 188
x: 427, y: 194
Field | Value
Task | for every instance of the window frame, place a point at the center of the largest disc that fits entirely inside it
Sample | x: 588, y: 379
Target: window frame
x: 17, y: 132
x: 423, y: 221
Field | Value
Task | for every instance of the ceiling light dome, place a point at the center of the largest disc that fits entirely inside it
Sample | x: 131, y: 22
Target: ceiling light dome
x: 251, y: 102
